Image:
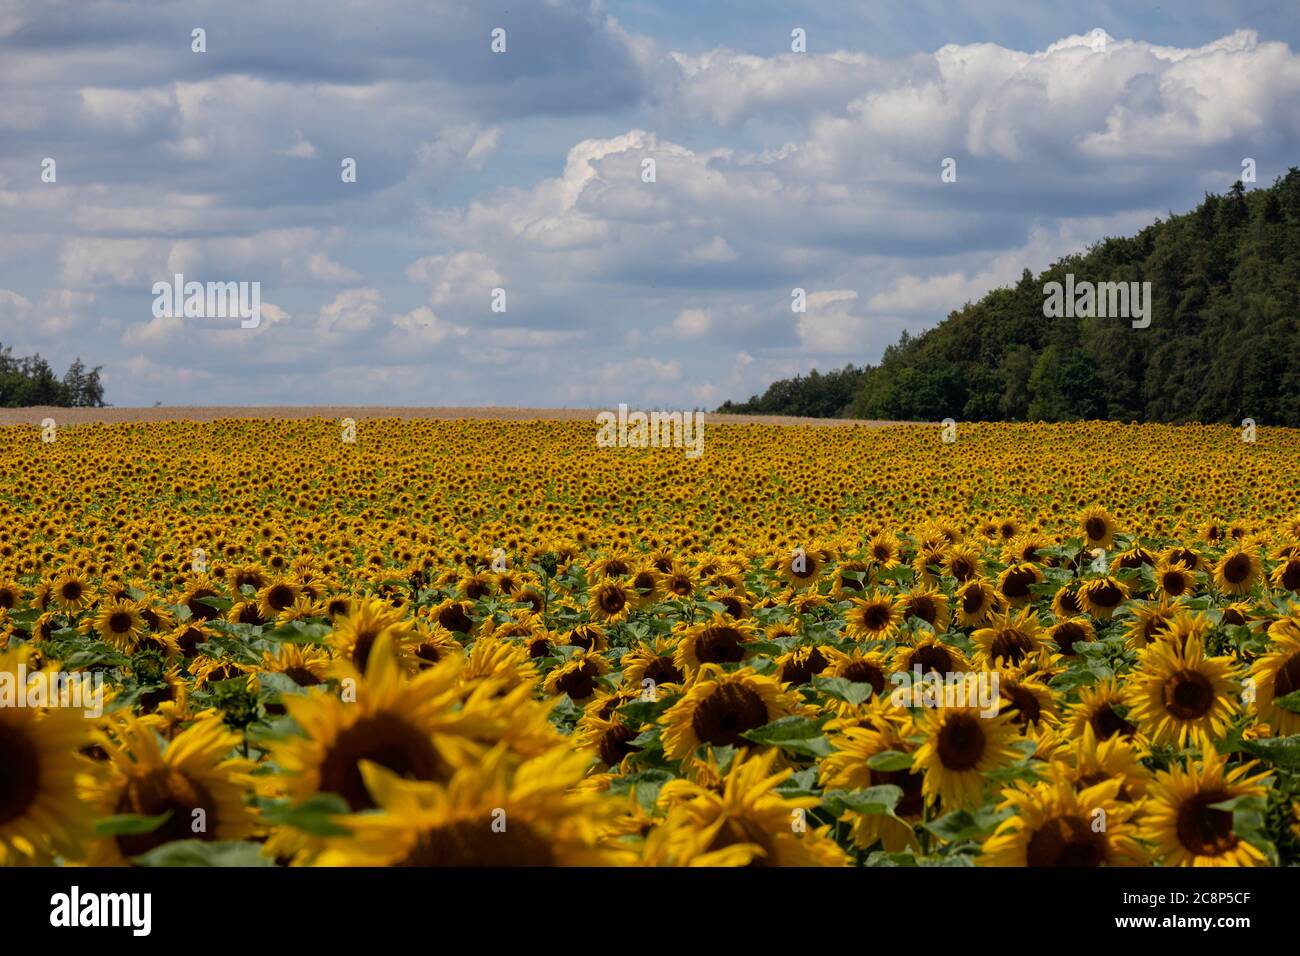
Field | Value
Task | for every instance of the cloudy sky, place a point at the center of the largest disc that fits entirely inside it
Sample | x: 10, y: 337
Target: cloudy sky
x: 525, y: 171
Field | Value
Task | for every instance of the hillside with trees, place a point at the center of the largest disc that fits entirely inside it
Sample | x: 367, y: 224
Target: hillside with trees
x: 31, y: 381
x: 1223, y: 343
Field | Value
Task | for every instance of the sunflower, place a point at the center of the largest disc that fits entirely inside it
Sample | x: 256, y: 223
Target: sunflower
x: 932, y: 656
x: 1175, y: 581
x: 861, y: 667
x: 846, y: 767
x: 577, y: 676
x: 1105, y: 707
x: 120, y: 624
x: 1008, y: 639
x: 1287, y: 574
x: 875, y: 617
x: 749, y: 811
x: 719, y: 707
x: 71, y: 592
x: 1089, y: 761
x: 801, y: 665
x: 276, y: 597
x: 1182, y: 695
x: 495, y: 812
x: 802, y: 567
x: 610, y: 601
x: 1184, y: 820
x: 1052, y: 824
x: 1276, y: 675
x: 1065, y: 603
x: 927, y: 603
x: 1147, y: 622
x: 1027, y: 699
x: 1069, y: 632
x: 677, y: 840
x: 962, y: 562
x: 39, y: 811
x: 1015, y: 582
x: 1100, y: 597
x: 851, y: 578
x: 649, y: 667
x: 647, y: 587
x: 416, y: 727
x: 1237, y: 571
x: 355, y: 633
x: 719, y: 640
x: 959, y: 748
x: 193, y: 779
x: 1098, y: 528
x: 976, y: 601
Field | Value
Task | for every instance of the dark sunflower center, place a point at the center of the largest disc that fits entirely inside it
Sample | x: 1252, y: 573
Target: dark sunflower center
x: 802, y: 669
x: 612, y: 600
x: 1024, y: 705
x: 973, y: 600
x: 910, y: 783
x: 644, y: 582
x: 876, y: 617
x: 615, y: 744
x: 1010, y: 645
x: 719, y: 645
x: 1107, y: 595
x: 202, y: 611
x: 454, y: 618
x: 475, y: 589
x: 1290, y: 576
x: 280, y: 596
x: 932, y: 657
x: 864, y: 672
x: 1288, y: 677
x: 662, y: 670
x: 728, y: 712
x: 1016, y: 584
x: 1174, y: 583
x: 20, y: 773
x: 71, y: 591
x: 1095, y: 528
x: 120, y: 622
x: 477, y: 843
x: 680, y: 585
x: 924, y: 608
x: 579, y: 682
x: 1069, y: 603
x: 1065, y: 841
x: 962, y: 569
x: 1204, y: 830
x: 386, y: 740
x: 961, y: 742
x: 1106, y: 723
x: 361, y: 649
x: 1189, y: 695
x: 167, y: 790
x: 301, y: 676
x: 1067, y: 635
x: 1237, y: 569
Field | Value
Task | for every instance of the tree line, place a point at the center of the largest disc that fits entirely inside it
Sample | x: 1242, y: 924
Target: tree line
x: 31, y: 381
x: 1222, y: 345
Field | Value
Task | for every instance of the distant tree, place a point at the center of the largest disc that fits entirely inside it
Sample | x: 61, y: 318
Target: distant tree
x: 30, y: 381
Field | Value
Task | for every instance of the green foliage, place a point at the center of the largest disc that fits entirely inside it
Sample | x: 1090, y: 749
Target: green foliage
x: 1225, y: 301
x: 31, y: 381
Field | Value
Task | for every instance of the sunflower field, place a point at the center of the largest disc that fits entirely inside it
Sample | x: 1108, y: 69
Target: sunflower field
x: 474, y: 643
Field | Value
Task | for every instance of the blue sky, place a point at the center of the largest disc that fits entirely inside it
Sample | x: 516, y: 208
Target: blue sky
x: 523, y: 171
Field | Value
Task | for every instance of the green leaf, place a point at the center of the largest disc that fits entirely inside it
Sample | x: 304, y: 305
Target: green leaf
x: 964, y: 825
x: 1280, y: 751
x: 801, y: 735
x: 130, y: 824
x: 314, y: 815
x: 198, y: 853
x: 841, y: 688
x: 880, y: 800
x: 890, y: 761
x: 1289, y: 702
